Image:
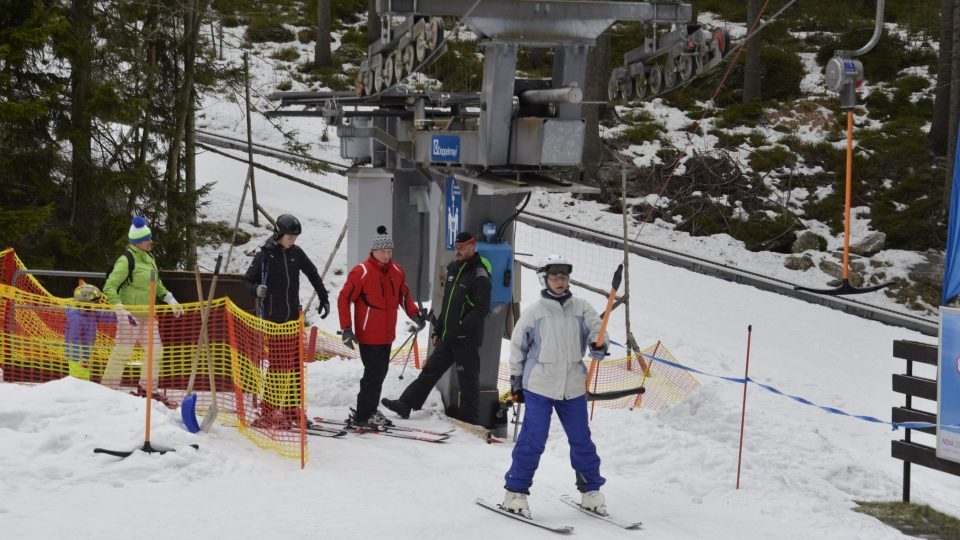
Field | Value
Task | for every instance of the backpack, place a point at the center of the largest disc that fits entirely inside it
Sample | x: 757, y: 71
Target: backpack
x: 130, y: 266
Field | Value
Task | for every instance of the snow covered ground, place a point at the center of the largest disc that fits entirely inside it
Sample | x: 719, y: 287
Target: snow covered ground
x: 675, y: 469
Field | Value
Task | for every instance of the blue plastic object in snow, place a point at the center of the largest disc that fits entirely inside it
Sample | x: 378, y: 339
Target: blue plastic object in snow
x: 188, y: 411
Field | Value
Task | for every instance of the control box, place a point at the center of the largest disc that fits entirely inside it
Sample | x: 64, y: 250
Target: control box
x: 500, y: 256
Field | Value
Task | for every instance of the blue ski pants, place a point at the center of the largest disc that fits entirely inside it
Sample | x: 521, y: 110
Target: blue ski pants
x: 533, y: 440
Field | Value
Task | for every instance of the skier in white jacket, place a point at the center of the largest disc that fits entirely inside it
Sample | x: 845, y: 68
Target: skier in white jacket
x: 547, y: 373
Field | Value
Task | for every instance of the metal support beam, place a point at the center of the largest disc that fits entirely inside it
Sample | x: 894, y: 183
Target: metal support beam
x: 499, y: 75
x: 570, y: 69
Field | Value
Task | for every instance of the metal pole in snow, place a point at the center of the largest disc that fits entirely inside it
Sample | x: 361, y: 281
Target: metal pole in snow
x: 743, y: 408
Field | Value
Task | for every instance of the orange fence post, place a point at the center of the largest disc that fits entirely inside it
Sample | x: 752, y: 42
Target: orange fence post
x: 416, y: 354
x: 150, y: 320
x: 232, y: 343
x: 303, y: 392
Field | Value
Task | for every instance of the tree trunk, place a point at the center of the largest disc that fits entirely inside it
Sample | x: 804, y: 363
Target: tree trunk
x: 751, y: 68
x: 191, y: 33
x: 321, y: 51
x: 177, y: 214
x: 84, y: 192
x: 595, y: 89
x: 149, y: 91
x: 954, y: 108
x: 373, y: 22
x: 190, y: 164
x: 939, y: 129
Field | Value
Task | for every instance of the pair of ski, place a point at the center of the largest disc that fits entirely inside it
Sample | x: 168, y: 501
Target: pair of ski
x: 338, y: 429
x: 556, y: 527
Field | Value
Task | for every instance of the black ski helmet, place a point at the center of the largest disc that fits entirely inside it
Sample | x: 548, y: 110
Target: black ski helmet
x: 287, y: 224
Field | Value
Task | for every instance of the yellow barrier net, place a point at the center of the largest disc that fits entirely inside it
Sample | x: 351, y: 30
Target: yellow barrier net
x: 257, y: 366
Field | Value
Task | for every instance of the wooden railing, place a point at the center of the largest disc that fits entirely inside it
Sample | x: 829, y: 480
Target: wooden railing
x: 920, y: 387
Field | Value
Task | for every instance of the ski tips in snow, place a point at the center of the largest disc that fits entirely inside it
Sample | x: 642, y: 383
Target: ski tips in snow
x: 608, y: 518
x: 532, y: 521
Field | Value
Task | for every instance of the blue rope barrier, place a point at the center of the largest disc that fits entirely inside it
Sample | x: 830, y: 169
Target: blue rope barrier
x: 805, y: 401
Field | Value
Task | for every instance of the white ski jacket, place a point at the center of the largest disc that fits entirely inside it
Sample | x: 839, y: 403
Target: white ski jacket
x: 548, y: 345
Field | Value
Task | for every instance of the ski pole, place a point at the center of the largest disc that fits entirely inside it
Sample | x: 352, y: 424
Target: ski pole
x: 594, y: 372
x: 263, y: 281
x: 516, y: 420
x: 407, y: 360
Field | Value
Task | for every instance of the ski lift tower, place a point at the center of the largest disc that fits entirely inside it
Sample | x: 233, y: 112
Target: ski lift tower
x: 430, y: 164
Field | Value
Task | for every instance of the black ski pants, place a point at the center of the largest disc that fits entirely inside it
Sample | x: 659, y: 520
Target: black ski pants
x: 467, y: 359
x: 376, y: 359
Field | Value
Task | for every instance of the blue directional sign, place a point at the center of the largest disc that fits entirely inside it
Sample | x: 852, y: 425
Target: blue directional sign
x: 454, y: 203
x: 948, y: 391
x: 445, y: 148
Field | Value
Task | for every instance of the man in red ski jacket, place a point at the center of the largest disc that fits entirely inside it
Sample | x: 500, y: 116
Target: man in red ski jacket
x: 376, y: 288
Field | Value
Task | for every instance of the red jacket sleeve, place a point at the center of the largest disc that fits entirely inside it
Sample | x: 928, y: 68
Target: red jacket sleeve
x: 408, y: 304
x: 348, y: 295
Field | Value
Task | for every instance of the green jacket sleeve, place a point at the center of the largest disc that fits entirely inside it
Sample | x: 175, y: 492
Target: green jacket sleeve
x: 117, y: 276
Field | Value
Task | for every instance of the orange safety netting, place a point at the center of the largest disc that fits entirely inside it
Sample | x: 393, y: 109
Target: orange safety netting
x: 664, y: 384
x: 257, y: 369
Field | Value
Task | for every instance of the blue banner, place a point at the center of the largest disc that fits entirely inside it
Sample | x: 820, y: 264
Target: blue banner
x: 948, y: 390
x: 951, y: 270
x: 445, y: 148
x: 454, y: 202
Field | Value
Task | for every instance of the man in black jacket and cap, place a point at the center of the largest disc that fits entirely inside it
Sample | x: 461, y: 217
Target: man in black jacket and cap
x: 457, y: 334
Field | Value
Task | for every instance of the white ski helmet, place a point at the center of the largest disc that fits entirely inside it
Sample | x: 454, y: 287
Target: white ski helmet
x: 553, y: 264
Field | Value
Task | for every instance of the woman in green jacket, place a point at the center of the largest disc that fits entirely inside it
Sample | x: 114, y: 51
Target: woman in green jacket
x: 129, y: 292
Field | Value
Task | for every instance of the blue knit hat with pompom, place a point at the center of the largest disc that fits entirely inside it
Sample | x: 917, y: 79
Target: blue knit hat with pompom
x: 139, y: 232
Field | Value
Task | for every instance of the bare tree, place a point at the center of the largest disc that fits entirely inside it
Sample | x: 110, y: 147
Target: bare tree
x: 751, y: 67
x: 81, y: 51
x: 939, y: 128
x: 954, y: 106
x: 176, y: 217
x: 321, y: 51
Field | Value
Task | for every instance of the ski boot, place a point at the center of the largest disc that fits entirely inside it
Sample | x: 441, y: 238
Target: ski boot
x: 397, y: 406
x: 594, y: 502
x: 516, y: 503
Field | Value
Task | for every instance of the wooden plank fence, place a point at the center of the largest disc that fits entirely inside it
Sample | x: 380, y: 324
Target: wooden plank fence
x: 912, y: 386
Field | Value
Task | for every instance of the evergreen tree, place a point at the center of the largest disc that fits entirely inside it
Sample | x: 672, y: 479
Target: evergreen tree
x: 31, y: 88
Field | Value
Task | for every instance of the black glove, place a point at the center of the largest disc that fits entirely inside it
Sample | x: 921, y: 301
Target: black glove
x: 324, y: 308
x: 348, y: 338
x: 516, y: 388
x: 419, y: 320
x: 598, y: 353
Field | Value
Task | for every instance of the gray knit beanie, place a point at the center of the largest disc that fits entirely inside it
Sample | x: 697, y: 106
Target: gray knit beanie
x: 382, y: 240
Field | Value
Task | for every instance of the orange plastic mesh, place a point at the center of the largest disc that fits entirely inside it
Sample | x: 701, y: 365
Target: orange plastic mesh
x: 256, y: 365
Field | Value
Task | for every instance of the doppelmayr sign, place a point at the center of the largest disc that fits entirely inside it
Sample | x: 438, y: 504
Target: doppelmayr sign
x: 445, y: 148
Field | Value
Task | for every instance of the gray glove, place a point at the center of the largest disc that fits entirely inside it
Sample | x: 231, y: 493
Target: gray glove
x: 261, y: 291
x: 598, y: 353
